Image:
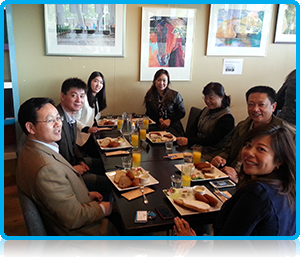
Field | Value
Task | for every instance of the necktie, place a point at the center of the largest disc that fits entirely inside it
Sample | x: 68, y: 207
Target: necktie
x: 71, y: 132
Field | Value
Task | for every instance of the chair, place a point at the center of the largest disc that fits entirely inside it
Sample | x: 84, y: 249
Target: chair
x: 32, y: 217
x: 193, y: 116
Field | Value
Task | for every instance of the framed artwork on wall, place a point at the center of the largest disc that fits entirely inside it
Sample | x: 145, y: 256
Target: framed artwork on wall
x: 239, y: 29
x: 85, y: 29
x: 286, y: 24
x: 167, y: 42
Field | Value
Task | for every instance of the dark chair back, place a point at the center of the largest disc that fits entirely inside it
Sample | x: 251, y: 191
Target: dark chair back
x: 32, y: 217
x: 193, y: 116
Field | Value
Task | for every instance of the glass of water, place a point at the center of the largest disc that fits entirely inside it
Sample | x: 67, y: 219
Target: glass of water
x: 176, y: 181
x: 126, y: 163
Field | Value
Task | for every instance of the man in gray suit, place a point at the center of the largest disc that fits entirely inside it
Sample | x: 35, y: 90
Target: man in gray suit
x: 58, y: 190
x: 73, y: 91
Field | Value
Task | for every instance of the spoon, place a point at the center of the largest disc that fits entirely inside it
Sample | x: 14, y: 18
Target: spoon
x: 142, y: 190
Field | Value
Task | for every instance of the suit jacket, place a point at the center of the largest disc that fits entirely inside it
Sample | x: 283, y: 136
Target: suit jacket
x: 67, y: 149
x: 59, y: 193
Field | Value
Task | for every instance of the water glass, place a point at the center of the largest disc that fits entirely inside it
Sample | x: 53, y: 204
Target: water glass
x: 136, y: 157
x: 126, y: 163
x: 197, y: 149
x: 176, y: 181
x: 169, y: 145
x: 109, y: 116
x: 187, y: 157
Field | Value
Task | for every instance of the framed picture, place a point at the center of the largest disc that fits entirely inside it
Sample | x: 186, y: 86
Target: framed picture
x: 286, y: 24
x: 239, y: 29
x: 167, y: 42
x: 85, y: 29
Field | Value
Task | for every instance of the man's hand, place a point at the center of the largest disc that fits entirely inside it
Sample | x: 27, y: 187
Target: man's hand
x: 108, y: 207
x: 96, y: 196
x: 93, y: 130
x: 182, y: 141
x: 218, y: 161
x: 232, y: 174
x: 165, y: 123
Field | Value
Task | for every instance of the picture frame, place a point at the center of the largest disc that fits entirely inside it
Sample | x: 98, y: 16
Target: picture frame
x: 167, y: 42
x: 239, y: 29
x: 286, y: 24
x: 85, y: 29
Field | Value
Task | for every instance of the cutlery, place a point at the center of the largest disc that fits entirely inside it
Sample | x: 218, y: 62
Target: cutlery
x: 142, y: 190
x: 222, y: 193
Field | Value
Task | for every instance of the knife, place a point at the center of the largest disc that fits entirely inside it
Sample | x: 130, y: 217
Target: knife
x: 222, y: 193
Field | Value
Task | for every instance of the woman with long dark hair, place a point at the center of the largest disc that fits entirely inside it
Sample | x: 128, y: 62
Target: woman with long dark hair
x: 265, y: 201
x: 213, y: 128
x: 88, y: 116
x: 164, y: 105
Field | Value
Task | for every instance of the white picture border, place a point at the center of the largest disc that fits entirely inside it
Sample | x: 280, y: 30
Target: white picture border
x: 214, y: 50
x: 279, y: 36
x: 52, y: 48
x: 176, y: 74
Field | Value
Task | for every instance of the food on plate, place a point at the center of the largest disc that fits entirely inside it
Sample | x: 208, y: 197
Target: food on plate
x: 208, y: 170
x: 200, y: 197
x: 193, y: 204
x: 173, y: 193
x: 118, y: 175
x: 124, y: 182
x: 170, y: 136
x: 144, y: 178
x: 199, y: 189
x: 112, y: 142
x: 130, y: 174
x: 212, y: 201
x: 108, y: 123
x: 201, y: 165
x: 135, y: 182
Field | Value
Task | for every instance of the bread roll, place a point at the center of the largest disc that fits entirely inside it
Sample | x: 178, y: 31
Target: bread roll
x: 209, y: 175
x: 105, y: 143
x: 135, y: 182
x: 200, y: 197
x: 113, y: 144
x: 212, y: 201
x: 208, y: 170
x: 130, y: 175
x: 201, y: 165
x: 124, y: 182
x: 193, y: 204
x: 119, y: 174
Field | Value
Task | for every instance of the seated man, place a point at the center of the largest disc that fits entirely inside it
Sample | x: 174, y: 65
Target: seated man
x: 73, y: 91
x: 261, y: 105
x: 64, y: 202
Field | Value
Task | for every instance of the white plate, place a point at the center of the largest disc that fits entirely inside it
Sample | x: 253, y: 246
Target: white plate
x: 189, y: 195
x: 111, y: 176
x: 218, y: 174
x: 123, y: 145
x: 101, y: 122
x: 160, y: 140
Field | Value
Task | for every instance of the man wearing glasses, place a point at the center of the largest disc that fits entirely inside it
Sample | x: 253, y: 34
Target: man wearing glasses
x: 57, y: 189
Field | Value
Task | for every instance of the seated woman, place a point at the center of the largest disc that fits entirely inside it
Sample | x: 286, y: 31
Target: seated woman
x: 264, y: 203
x: 215, y: 124
x: 164, y: 105
x: 87, y: 117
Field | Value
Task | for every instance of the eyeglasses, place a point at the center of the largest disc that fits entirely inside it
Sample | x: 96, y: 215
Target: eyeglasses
x: 52, y: 121
x: 210, y: 97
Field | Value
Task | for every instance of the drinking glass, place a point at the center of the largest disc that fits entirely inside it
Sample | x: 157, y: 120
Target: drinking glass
x: 146, y: 122
x: 136, y: 157
x: 120, y: 122
x: 143, y: 132
x: 186, y: 172
x: 176, y: 181
x: 109, y: 116
x: 169, y: 145
x: 187, y: 157
x: 135, y: 138
x: 197, y: 149
x: 126, y: 163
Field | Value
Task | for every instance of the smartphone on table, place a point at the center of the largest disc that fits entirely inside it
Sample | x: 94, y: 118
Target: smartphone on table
x: 164, y: 212
x: 222, y: 184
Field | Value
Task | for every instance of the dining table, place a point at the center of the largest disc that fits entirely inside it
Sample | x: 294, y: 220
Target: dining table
x: 154, y: 159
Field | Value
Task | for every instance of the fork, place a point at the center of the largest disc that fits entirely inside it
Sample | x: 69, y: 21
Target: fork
x: 220, y: 192
x: 142, y: 190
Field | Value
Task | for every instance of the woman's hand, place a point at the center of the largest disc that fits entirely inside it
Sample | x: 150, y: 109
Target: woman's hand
x: 182, y: 141
x: 165, y: 123
x: 182, y: 228
x: 232, y: 174
x: 93, y: 130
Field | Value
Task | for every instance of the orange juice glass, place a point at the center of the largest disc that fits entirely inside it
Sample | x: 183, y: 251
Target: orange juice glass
x: 197, y: 149
x: 135, y: 139
x: 136, y: 158
x: 120, y: 123
x: 146, y: 122
x: 143, y: 132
